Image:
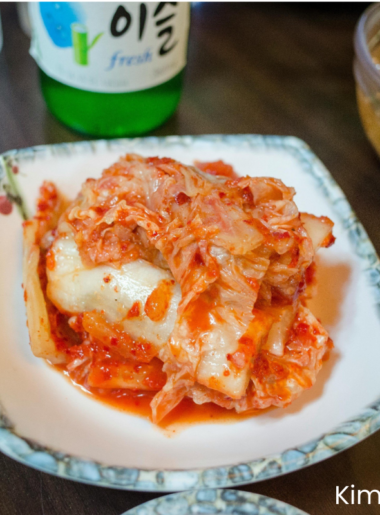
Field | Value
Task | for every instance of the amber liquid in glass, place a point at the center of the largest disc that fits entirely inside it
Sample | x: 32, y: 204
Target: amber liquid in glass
x: 369, y: 106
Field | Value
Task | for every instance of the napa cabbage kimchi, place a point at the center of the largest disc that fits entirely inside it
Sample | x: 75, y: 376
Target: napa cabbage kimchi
x: 184, y: 281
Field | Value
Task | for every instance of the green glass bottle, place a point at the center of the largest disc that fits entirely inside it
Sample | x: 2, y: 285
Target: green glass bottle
x: 109, y: 69
x: 111, y: 114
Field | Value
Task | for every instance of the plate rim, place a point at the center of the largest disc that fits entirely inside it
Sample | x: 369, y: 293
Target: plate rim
x: 208, y: 497
x: 342, y: 437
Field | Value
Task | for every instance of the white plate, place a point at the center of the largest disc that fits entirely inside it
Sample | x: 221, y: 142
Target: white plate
x: 222, y: 502
x: 123, y: 451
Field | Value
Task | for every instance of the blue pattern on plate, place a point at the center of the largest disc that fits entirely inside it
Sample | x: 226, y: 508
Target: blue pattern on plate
x: 222, y: 502
x: 87, y: 471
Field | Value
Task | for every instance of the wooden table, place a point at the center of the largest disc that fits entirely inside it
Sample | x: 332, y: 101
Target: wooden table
x: 253, y: 68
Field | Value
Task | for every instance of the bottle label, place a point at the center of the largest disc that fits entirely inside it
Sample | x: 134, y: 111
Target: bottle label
x: 110, y: 47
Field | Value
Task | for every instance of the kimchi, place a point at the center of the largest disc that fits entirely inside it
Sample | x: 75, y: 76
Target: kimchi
x: 178, y: 280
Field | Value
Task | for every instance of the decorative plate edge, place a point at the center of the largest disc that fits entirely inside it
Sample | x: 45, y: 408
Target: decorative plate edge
x: 215, y: 501
x: 342, y: 437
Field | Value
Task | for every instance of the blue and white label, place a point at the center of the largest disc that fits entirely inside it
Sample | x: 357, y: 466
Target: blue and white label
x: 110, y: 47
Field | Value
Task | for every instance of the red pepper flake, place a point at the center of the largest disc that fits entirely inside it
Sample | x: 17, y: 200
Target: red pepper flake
x: 134, y: 311
x: 247, y: 196
x: 107, y: 278
x: 5, y: 205
x: 182, y: 198
x: 198, y: 259
x: 42, y: 205
x: 246, y: 340
x: 302, y: 329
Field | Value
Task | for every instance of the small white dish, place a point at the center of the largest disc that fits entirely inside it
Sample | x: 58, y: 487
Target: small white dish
x: 49, y: 424
x: 222, y: 502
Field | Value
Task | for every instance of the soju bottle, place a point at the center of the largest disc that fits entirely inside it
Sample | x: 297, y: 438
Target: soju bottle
x: 110, y: 69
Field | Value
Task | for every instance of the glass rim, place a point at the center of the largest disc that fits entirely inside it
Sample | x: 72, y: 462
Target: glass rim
x: 362, y: 52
